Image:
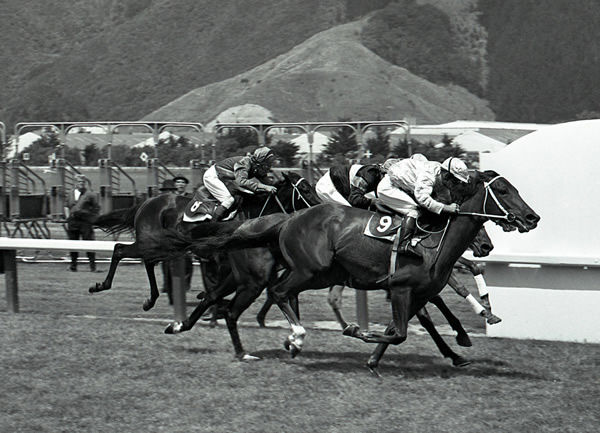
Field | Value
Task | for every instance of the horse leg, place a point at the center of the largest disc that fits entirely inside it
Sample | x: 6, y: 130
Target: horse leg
x: 262, y: 314
x: 226, y: 287
x: 280, y: 293
x: 462, y: 338
x: 480, y: 310
x: 401, y: 303
x: 240, y: 303
x: 154, y: 294
x: 120, y: 252
x: 477, y: 272
x: 334, y: 298
x: 427, y: 323
x: 377, y: 354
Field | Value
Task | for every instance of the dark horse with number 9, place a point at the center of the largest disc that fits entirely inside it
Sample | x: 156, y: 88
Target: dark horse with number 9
x: 324, y: 245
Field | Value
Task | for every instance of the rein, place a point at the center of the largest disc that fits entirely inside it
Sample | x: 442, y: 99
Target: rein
x: 295, y: 191
x: 490, y: 192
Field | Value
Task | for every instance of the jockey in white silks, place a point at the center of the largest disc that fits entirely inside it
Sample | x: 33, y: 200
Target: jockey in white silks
x: 409, y: 183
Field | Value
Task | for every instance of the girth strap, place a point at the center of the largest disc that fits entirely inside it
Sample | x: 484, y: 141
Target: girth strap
x: 393, y: 256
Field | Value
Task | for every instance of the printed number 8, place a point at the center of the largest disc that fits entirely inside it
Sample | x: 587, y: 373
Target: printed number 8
x: 195, y: 206
x: 385, y: 223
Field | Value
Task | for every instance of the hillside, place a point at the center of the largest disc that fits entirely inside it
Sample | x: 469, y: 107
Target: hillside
x: 122, y: 59
x: 328, y: 77
x: 112, y: 59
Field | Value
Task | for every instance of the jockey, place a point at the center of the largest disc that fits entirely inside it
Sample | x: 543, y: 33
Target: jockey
x: 347, y: 185
x: 409, y: 184
x: 245, y: 172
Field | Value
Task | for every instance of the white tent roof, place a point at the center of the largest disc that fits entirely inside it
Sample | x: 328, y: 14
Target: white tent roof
x: 319, y: 141
x: 472, y: 141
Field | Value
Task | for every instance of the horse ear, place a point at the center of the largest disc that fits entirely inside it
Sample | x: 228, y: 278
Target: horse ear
x: 286, y: 176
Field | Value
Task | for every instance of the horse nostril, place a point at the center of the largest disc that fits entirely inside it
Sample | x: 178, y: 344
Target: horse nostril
x: 532, y: 218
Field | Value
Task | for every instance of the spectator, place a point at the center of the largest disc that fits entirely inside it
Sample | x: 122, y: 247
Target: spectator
x: 181, y: 183
x: 176, y: 186
x: 81, y: 210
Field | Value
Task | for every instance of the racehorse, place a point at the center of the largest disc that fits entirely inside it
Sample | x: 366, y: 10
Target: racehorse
x: 154, y: 217
x: 324, y: 245
x: 481, y: 247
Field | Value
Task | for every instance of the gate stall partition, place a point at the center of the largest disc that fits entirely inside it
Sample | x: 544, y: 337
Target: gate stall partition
x: 180, y: 139
x: 25, y: 200
x: 311, y: 142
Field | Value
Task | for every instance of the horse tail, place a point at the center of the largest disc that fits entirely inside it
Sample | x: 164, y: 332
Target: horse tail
x: 117, y: 221
x: 210, y: 237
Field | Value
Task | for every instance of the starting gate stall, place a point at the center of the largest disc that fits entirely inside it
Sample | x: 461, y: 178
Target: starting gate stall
x: 311, y: 172
x: 156, y: 171
x: 544, y: 283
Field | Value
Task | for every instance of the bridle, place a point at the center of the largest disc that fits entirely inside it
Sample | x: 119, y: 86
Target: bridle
x: 489, y: 192
x: 295, y: 190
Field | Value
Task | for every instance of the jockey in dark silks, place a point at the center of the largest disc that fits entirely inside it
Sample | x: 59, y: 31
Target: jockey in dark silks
x: 245, y: 172
x: 347, y: 185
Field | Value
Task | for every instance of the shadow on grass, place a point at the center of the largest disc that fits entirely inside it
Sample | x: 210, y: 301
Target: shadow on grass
x: 403, y: 365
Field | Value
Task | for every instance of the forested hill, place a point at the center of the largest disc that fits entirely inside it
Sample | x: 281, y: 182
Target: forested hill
x: 122, y: 59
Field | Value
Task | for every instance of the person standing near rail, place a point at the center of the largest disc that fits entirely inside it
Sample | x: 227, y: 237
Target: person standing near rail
x: 81, y: 210
x: 176, y: 186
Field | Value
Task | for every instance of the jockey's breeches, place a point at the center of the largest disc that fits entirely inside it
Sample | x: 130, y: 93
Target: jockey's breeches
x: 217, y: 188
x: 327, y: 192
x: 397, y: 199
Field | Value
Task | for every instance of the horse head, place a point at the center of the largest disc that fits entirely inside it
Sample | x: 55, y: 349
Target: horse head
x: 490, y: 196
x: 482, y: 244
x: 296, y: 192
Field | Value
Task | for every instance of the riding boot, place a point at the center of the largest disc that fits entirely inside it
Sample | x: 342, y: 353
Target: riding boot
x: 219, y: 212
x: 407, y: 231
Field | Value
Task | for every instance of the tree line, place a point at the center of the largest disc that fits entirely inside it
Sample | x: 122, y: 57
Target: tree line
x: 341, y: 148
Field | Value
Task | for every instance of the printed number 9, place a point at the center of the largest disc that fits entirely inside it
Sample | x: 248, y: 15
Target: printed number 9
x: 385, y: 223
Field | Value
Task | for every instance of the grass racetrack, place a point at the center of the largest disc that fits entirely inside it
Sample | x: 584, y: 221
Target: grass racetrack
x: 74, y: 362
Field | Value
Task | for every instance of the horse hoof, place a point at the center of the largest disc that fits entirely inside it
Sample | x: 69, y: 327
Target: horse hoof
x: 459, y: 361
x: 463, y: 340
x: 493, y: 319
x: 294, y: 350
x: 97, y: 288
x: 286, y: 344
x: 375, y: 372
x: 174, y: 328
x: 351, y: 330
x: 248, y: 358
x: 148, y: 304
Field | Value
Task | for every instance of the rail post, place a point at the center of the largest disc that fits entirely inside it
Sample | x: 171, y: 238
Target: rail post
x: 9, y: 262
x: 106, y: 193
x: 197, y: 170
x: 57, y: 189
x: 15, y: 203
x: 152, y: 177
x: 178, y: 287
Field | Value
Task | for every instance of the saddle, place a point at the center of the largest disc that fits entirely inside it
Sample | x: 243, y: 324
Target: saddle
x: 202, y: 207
